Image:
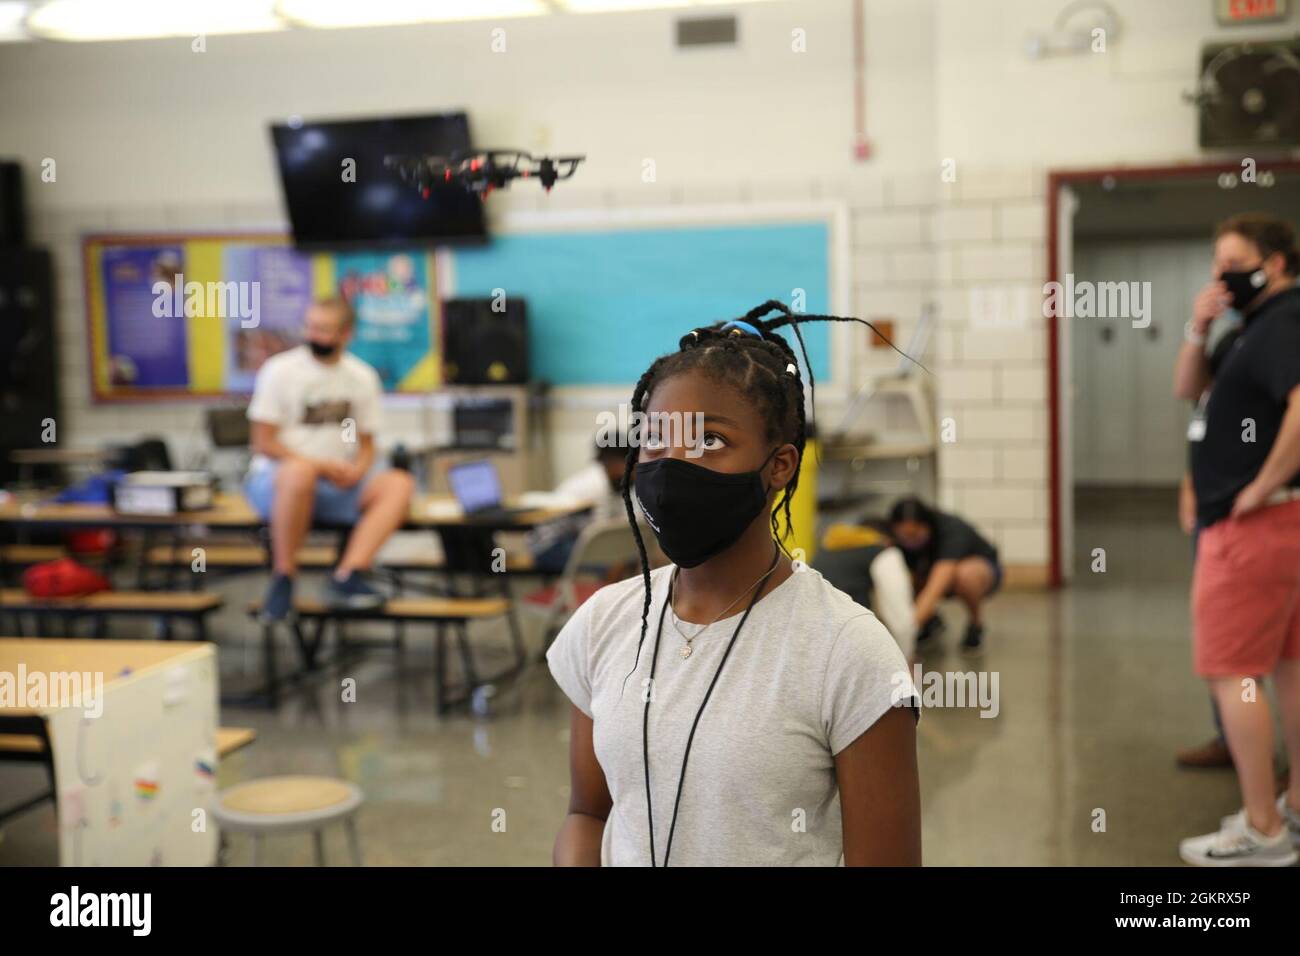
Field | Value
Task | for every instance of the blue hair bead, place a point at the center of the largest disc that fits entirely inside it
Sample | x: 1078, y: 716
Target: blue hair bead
x: 742, y: 326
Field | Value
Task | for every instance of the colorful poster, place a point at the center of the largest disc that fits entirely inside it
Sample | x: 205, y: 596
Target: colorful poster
x: 391, y: 298
x: 283, y: 279
x: 146, y: 344
x: 178, y: 316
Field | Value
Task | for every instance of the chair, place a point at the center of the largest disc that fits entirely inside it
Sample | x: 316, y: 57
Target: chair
x: 290, y: 804
x: 229, y: 427
x: 148, y: 454
x: 601, y: 544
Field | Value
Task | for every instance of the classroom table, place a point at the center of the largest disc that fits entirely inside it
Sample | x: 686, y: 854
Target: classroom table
x: 467, y: 540
x: 131, y: 759
x: 28, y: 459
x: 231, y: 512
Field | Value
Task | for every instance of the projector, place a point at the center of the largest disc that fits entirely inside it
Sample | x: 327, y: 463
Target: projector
x: 163, y: 492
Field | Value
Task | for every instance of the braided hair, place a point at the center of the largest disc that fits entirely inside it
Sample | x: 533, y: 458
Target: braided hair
x: 763, y: 367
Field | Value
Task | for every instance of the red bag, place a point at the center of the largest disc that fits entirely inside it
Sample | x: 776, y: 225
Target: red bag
x: 63, y: 578
x: 92, y: 541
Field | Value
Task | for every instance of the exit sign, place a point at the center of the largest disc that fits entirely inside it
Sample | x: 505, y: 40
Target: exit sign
x: 1249, y: 11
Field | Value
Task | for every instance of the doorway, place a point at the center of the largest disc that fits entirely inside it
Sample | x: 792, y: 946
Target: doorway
x: 1118, y: 435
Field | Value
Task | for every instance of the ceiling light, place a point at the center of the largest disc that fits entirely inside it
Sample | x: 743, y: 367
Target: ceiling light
x: 371, y: 13
x: 12, y: 15
x: 618, y: 6
x: 614, y: 6
x: 141, y: 19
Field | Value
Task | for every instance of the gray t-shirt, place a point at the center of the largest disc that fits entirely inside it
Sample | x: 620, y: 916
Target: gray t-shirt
x: 810, y: 672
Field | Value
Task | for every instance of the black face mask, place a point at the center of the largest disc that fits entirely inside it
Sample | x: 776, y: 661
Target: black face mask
x: 322, y: 351
x: 697, y: 512
x: 1244, y: 286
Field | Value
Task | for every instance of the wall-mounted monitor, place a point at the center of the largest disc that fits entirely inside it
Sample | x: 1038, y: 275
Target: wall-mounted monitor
x: 339, y: 194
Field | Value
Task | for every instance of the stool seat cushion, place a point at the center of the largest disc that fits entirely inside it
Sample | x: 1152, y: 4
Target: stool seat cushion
x: 286, y: 802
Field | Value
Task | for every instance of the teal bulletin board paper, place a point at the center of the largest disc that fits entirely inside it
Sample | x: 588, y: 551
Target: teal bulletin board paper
x: 603, y: 304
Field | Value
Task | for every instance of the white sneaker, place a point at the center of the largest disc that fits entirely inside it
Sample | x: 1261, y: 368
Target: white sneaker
x: 1239, y: 844
x: 1291, y: 818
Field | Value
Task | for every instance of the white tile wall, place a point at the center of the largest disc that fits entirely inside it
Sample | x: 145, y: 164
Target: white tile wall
x: 986, y: 262
x: 1023, y: 464
x: 1027, y: 383
x: 997, y: 345
x: 889, y: 228
x: 1022, y: 220
x: 999, y: 424
x: 967, y: 385
x: 912, y: 266
x: 962, y: 464
x: 1022, y: 542
x: 972, y: 223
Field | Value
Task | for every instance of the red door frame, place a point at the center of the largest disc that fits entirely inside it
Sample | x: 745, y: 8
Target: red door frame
x: 1056, y: 179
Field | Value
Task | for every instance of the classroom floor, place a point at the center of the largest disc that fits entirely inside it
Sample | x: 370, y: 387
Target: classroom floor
x: 1096, y: 695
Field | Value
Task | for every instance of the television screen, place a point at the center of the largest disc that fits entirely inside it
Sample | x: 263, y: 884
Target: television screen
x: 334, y: 204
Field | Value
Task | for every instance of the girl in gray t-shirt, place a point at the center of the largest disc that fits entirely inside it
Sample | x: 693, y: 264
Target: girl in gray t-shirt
x: 731, y: 708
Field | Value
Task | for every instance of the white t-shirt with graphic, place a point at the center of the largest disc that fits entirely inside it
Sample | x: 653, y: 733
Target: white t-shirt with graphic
x: 311, y: 403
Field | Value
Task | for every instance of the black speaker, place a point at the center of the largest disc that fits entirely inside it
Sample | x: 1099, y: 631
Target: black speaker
x: 483, y: 346
x: 13, y: 214
x: 28, y: 368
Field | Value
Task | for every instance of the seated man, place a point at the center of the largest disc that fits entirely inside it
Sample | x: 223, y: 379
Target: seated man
x: 314, y: 415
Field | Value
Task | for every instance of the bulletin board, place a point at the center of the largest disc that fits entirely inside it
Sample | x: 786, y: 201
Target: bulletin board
x: 191, y: 316
x: 605, y: 298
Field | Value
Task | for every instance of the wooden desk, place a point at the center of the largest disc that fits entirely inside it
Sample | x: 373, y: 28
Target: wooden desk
x: 231, y: 739
x: 232, y: 513
x: 28, y: 459
x: 129, y: 757
x: 60, y: 456
x: 467, y: 541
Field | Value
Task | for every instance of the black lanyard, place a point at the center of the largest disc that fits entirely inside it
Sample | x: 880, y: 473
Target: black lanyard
x: 645, y: 720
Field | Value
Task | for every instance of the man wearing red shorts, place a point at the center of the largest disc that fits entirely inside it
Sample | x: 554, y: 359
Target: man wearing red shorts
x: 1246, y: 586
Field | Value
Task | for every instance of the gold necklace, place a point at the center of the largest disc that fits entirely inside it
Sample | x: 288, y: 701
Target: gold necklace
x: 686, y: 647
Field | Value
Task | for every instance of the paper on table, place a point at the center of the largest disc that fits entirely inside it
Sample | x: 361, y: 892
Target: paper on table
x: 443, y: 509
x: 546, y: 499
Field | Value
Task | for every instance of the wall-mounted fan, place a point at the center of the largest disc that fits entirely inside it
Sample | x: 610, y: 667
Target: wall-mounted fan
x: 1249, y: 94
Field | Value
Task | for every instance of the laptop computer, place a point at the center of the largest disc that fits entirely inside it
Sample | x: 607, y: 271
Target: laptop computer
x: 477, y: 488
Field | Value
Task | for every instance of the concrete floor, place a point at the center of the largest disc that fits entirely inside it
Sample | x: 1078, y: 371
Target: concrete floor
x: 1096, y: 694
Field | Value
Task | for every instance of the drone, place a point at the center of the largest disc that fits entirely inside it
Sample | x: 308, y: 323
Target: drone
x: 482, y: 171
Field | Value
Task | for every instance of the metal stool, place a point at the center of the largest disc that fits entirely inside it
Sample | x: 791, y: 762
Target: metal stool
x: 286, y: 804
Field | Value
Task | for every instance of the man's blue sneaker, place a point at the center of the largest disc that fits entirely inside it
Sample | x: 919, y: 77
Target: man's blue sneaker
x: 352, y: 593
x: 278, y: 604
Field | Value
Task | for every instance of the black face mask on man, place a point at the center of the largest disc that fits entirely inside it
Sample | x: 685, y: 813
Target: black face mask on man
x: 697, y: 512
x: 1244, y: 286
x: 321, y: 351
